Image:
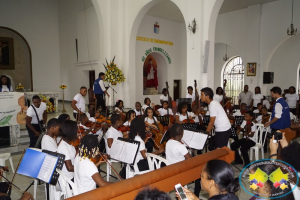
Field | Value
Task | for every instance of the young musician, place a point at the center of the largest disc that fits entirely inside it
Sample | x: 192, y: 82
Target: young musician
x: 130, y: 115
x: 119, y: 108
x: 86, y: 174
x: 182, y: 113
x: 257, y: 98
x: 242, y: 111
x: 138, y: 109
x: 69, y: 134
x: 190, y: 93
x: 164, y: 96
x: 5, y: 84
x: 249, y: 140
x: 258, y: 109
x: 266, y: 103
x: 100, y: 92
x: 137, y: 132
x: 150, y: 121
x: 88, y: 130
x: 164, y: 110
x: 63, y: 117
x: 292, y: 99
x: 219, y: 94
x: 218, y: 118
x: 147, y: 103
x: 48, y: 141
x: 37, y: 108
x: 264, y: 117
x: 90, y: 108
x: 113, y: 133
x: 78, y: 103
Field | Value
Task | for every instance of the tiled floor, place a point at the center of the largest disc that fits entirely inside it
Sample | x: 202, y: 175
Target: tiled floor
x: 23, y: 182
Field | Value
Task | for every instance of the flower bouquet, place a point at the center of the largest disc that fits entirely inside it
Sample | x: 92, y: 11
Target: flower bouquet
x: 113, y: 74
x: 20, y: 87
x: 63, y: 86
x: 49, y: 105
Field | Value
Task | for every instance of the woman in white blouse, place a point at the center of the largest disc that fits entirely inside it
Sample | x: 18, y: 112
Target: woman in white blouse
x: 219, y: 94
x: 292, y: 99
x: 5, y: 84
x: 130, y: 115
x: 257, y: 97
x: 182, y: 114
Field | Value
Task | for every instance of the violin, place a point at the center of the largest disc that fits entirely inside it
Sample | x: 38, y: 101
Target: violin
x: 125, y: 130
x: 247, y: 129
x: 157, y: 133
x: 151, y: 135
x: 265, y: 119
x: 103, y: 119
x: 4, y: 168
x: 188, y: 120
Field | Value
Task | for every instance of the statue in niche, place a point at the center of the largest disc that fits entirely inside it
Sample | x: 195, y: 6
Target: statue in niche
x: 151, y: 72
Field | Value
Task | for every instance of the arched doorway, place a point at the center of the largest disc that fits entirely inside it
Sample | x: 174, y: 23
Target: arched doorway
x: 22, y: 72
x: 233, y: 72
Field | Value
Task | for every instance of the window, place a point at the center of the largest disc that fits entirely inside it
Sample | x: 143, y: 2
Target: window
x: 234, y: 74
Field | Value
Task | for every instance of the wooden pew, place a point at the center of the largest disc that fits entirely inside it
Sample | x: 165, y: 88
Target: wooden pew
x: 164, y: 179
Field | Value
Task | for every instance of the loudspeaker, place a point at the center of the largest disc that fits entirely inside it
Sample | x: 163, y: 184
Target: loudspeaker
x: 206, y: 55
x: 268, y: 78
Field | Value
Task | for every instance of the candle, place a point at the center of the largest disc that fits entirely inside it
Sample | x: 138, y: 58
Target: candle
x: 62, y: 83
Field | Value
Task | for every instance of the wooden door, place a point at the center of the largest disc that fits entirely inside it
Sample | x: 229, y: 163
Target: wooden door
x: 176, y: 89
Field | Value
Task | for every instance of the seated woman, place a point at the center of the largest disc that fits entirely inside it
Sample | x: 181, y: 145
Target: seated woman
x: 164, y: 110
x: 86, y: 174
x: 138, y: 109
x: 182, y: 114
x: 68, y: 131
x: 113, y: 133
x: 119, y: 108
x: 147, y: 103
x: 130, y: 115
x: 217, y: 179
x: 152, y: 123
x: 137, y: 132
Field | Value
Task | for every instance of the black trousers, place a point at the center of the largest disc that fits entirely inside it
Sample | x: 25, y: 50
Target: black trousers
x: 149, y: 145
x: 101, y: 102
x: 3, y: 189
x: 143, y: 165
x: 221, y: 138
x: 293, y: 110
x: 244, y: 145
x: 32, y: 136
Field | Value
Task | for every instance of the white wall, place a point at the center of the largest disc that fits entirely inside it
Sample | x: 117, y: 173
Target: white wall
x: 169, y: 31
x: 37, y: 21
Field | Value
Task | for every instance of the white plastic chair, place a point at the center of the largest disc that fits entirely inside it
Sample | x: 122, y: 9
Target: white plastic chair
x: 3, y: 158
x: 64, y: 183
x: 108, y: 168
x: 155, y: 161
x: 260, y: 141
x: 131, y: 173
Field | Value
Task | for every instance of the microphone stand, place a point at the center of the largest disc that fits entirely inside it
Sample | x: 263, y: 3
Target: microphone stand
x: 114, y: 91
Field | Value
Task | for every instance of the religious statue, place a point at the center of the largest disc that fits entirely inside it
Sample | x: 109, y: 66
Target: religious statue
x: 151, y: 73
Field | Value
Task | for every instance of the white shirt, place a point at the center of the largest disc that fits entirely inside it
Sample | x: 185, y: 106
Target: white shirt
x: 88, y: 115
x: 48, y: 143
x: 222, y: 122
x: 111, y: 133
x: 70, y: 152
x: 164, y: 98
x: 181, y: 117
x: 253, y: 129
x: 144, y: 107
x: 237, y: 113
x: 256, y: 111
x: 126, y: 123
x: 5, y: 88
x: 175, y: 151
x: 141, y: 148
x: 137, y: 113
x: 164, y: 112
x: 190, y: 96
x: 84, y: 169
x: 40, y: 111
x: 150, y: 121
x: 118, y: 109
x: 292, y: 99
x: 218, y: 98
x: 257, y: 99
x: 246, y: 97
x: 80, y: 102
x: 278, y: 109
x: 266, y: 103
x: 259, y: 119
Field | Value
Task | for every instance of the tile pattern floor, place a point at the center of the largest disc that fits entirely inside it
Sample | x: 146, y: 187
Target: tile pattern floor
x: 23, y: 182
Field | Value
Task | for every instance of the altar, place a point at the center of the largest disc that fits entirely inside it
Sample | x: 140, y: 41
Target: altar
x: 53, y: 95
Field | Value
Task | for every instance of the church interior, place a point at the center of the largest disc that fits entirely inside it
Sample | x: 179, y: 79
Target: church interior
x: 57, y: 48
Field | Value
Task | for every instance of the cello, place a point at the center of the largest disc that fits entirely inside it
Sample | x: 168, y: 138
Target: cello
x: 226, y: 101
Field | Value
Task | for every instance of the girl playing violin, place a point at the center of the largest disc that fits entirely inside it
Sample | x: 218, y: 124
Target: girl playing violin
x: 137, y: 132
x: 164, y: 110
x: 138, y: 109
x: 68, y: 131
x: 119, y: 108
x: 86, y: 174
x: 182, y: 114
x: 151, y: 122
x: 147, y: 103
x: 249, y: 140
x: 130, y: 115
x: 113, y: 133
x: 88, y: 130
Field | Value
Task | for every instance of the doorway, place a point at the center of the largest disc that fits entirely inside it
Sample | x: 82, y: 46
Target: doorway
x: 176, y: 89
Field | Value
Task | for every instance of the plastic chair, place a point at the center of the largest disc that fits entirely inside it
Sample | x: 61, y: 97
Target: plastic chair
x: 260, y: 129
x: 131, y: 173
x: 64, y: 184
x: 3, y: 158
x: 155, y: 161
x: 108, y: 168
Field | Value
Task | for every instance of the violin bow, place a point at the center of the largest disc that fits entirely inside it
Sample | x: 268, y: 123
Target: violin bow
x: 15, y: 172
x: 113, y: 169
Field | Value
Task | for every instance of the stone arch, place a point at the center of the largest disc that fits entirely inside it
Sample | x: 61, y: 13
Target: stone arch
x: 27, y: 48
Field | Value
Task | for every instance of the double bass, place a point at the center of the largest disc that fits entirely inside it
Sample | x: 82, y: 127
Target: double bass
x: 172, y: 104
x: 226, y: 101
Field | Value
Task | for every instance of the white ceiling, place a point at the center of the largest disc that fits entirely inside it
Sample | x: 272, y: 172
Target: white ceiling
x: 169, y: 11
x: 232, y: 5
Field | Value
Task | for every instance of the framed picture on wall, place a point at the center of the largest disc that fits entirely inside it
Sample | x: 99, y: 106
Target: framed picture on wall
x: 6, y: 53
x: 251, y: 69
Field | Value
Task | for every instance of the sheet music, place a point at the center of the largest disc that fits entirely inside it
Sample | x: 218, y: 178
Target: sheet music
x: 194, y: 140
x: 47, y: 168
x: 116, y: 149
x: 124, y: 151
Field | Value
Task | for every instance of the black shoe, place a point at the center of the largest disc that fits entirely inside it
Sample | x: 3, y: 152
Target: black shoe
x: 237, y: 162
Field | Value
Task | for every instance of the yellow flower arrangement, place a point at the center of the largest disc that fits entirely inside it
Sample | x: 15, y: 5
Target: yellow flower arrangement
x: 113, y: 74
x: 20, y: 87
x: 49, y: 105
x: 63, y: 87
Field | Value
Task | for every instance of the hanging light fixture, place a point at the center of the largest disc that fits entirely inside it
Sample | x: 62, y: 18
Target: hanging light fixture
x: 225, y: 58
x: 292, y: 31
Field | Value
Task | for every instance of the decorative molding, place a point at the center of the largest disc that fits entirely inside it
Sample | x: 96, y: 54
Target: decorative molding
x: 87, y: 63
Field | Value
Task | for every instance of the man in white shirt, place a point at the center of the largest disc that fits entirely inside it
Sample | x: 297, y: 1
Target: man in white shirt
x: 36, y: 116
x: 190, y: 93
x: 246, y: 97
x: 218, y: 118
x: 100, y: 92
x: 48, y: 141
x: 78, y: 103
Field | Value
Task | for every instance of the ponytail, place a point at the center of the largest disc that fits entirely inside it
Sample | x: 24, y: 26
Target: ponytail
x: 234, y: 186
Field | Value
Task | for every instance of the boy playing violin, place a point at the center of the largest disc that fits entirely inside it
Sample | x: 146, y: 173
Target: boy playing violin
x: 248, y: 141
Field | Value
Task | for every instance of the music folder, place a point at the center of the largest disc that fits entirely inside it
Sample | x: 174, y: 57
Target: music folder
x: 194, y: 140
x: 41, y: 165
x: 124, y: 150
